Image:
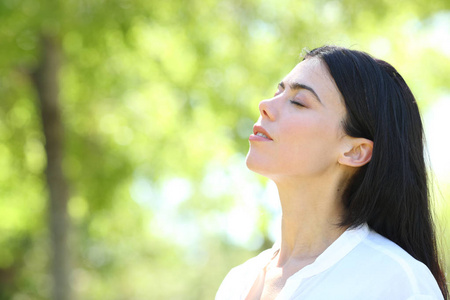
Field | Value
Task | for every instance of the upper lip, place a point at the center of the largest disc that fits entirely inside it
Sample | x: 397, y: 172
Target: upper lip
x: 260, y: 129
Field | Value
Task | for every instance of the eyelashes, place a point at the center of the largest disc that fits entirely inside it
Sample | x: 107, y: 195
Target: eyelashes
x: 291, y: 101
x: 296, y: 103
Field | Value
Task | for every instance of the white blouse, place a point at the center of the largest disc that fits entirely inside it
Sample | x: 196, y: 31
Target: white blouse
x: 360, y: 264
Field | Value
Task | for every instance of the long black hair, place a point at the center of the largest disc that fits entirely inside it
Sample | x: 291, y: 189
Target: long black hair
x: 390, y: 193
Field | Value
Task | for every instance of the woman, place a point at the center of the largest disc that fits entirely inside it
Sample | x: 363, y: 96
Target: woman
x: 342, y: 140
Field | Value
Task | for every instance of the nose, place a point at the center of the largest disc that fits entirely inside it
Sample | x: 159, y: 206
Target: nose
x: 266, y: 109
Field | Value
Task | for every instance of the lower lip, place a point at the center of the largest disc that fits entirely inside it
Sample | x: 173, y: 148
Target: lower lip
x: 255, y: 137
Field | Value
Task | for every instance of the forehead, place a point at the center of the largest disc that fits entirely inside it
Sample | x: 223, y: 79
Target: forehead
x: 314, y: 73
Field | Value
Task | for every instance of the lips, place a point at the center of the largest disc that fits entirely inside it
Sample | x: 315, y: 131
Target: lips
x: 260, y: 133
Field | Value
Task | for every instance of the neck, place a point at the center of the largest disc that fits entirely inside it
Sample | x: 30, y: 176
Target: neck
x: 310, y: 216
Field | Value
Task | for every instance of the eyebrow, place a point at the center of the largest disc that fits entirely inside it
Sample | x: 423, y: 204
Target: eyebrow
x: 300, y: 86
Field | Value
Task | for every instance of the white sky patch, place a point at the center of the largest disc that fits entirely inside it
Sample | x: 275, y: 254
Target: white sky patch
x: 175, y: 191
x: 272, y: 203
x: 432, y: 33
x: 332, y: 12
x: 216, y: 182
x: 163, y: 202
x: 380, y: 47
x: 241, y: 224
x: 168, y: 221
x: 143, y: 193
x: 438, y: 32
x: 437, y: 132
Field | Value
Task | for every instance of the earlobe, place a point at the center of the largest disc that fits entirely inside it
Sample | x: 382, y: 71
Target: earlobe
x: 359, y: 155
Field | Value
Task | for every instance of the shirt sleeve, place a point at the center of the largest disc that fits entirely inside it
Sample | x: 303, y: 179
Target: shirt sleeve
x: 228, y: 285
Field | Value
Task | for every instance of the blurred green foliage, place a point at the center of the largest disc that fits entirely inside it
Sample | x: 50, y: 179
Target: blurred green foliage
x: 158, y: 100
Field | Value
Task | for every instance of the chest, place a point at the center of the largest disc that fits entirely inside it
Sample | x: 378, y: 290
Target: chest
x: 271, y: 281
x: 273, y: 284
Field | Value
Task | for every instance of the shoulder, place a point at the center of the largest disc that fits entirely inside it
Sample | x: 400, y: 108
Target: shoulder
x: 391, y: 266
x: 239, y: 278
x: 394, y: 256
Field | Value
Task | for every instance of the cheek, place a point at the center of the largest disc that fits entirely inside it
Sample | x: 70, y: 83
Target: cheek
x: 310, y: 132
x: 314, y: 142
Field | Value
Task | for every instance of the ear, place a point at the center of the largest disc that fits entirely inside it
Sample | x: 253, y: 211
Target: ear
x: 359, y: 154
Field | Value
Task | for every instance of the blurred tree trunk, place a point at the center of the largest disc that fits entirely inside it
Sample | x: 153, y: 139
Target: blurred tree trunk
x: 46, y: 81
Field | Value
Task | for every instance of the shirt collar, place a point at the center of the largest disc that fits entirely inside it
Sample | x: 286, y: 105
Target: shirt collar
x: 333, y: 254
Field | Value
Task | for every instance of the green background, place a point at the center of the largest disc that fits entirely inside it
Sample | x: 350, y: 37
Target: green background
x: 157, y: 101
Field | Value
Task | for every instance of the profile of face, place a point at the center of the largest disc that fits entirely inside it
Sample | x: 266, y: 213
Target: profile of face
x: 300, y: 133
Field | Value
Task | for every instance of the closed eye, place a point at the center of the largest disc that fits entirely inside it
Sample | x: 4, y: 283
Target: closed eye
x: 296, y: 103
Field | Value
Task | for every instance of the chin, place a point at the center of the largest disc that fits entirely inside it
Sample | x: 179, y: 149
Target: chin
x: 257, y: 165
x: 251, y: 162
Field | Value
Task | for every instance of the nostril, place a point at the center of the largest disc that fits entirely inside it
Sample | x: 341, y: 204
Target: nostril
x: 263, y: 108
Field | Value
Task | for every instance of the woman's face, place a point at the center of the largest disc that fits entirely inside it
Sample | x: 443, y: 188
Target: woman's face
x: 299, y: 132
